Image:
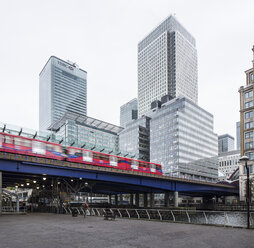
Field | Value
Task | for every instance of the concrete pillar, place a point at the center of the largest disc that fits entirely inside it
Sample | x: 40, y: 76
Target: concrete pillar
x: 1, y: 184
x: 121, y: 199
x: 151, y: 200
x: 131, y: 200
x: 166, y: 199
x: 17, y: 203
x: 137, y: 200
x: 145, y: 200
x: 109, y: 199
x: 176, y: 199
x: 116, y: 200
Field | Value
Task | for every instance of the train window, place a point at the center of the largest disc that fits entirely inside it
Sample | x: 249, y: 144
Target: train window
x: 87, y: 156
x: 119, y: 160
x: 58, y: 148
x: 1, y: 140
x: 38, y: 147
x: 106, y: 157
x: 157, y: 167
x: 72, y: 151
x: 113, y: 160
x: 27, y: 143
x: 134, y: 164
x: 8, y: 140
x: 95, y: 155
x: 78, y: 153
x: 50, y: 147
x: 17, y: 141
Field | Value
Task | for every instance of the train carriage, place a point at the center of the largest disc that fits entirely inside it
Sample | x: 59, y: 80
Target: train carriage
x: 27, y: 146
x: 107, y: 160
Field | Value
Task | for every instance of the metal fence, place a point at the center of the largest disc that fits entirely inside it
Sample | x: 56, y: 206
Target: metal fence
x: 222, y: 218
x: 13, y: 209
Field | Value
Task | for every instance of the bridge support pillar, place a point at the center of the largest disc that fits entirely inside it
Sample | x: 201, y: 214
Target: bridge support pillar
x: 1, y: 184
x: 145, y: 200
x: 116, y: 200
x: 166, y: 199
x: 131, y: 200
x: 176, y: 199
x: 151, y: 200
x: 137, y: 200
x: 109, y: 199
x: 121, y: 199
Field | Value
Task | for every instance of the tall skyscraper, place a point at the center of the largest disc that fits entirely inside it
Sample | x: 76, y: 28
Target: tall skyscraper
x: 63, y: 87
x: 226, y: 143
x: 167, y: 65
x: 128, y: 112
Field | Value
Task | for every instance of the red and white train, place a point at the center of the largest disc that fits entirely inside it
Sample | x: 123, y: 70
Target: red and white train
x: 27, y: 146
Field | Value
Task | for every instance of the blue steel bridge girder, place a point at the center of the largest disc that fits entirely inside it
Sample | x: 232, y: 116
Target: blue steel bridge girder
x: 116, y: 182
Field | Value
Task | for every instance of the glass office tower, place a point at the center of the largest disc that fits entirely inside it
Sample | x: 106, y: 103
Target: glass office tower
x: 226, y: 143
x: 167, y: 65
x: 63, y: 87
x: 128, y: 112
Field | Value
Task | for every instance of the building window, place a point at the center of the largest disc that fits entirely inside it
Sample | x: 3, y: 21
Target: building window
x: 248, y: 115
x: 251, y: 76
x: 248, y: 94
x: 250, y: 169
x: 249, y: 104
x: 248, y: 125
x: 250, y: 155
x: 249, y: 135
x: 248, y: 145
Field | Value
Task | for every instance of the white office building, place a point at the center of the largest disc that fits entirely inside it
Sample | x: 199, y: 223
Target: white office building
x: 182, y: 140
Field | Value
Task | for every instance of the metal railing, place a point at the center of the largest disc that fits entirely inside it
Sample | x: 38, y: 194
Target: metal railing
x: 222, y: 218
x: 13, y: 209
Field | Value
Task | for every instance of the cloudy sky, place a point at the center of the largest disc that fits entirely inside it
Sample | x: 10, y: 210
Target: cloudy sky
x: 102, y: 37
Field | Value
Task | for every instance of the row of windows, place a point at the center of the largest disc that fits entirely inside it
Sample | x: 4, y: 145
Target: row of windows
x: 248, y: 94
x: 249, y: 135
x: 248, y: 125
x: 249, y: 104
x: 249, y: 145
x: 248, y: 115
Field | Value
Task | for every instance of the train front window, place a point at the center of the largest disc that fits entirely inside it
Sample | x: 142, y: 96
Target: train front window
x: 39, y: 147
x: 87, y: 156
x: 153, y: 168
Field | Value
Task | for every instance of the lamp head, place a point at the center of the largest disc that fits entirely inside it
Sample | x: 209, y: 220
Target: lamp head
x: 244, y: 158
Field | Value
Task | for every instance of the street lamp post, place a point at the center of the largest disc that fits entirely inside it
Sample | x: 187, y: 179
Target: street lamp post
x: 245, y: 159
x: 91, y: 191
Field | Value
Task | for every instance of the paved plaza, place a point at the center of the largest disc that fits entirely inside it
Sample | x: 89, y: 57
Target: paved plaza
x: 53, y: 231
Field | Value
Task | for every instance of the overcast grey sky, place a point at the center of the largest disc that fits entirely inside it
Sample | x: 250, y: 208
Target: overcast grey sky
x: 102, y: 37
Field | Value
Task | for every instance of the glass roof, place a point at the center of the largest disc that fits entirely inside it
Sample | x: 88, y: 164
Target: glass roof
x: 85, y: 120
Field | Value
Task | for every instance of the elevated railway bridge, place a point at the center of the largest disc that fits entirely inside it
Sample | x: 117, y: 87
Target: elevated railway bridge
x: 36, y: 172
